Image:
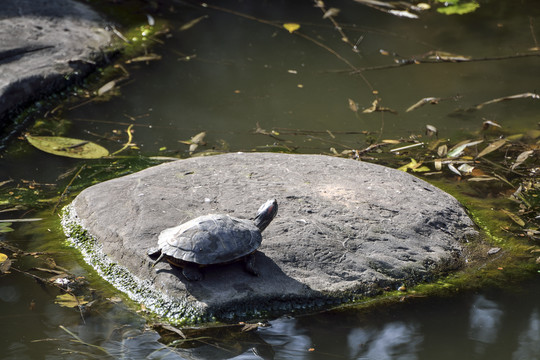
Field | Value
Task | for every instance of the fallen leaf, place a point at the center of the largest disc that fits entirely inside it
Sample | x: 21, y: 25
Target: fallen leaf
x: 483, y: 178
x: 514, y: 217
x: 459, y: 148
x: 491, y: 147
x: 149, y: 57
x: 331, y: 12
x: 431, y: 130
x: 62, y: 146
x: 403, y: 13
x: 375, y: 107
x: 442, y: 150
x: 195, y: 141
x: 422, y: 102
x: 465, y: 169
x: 447, y: 56
x: 106, y: 88
x: 5, y: 227
x: 414, y: 166
x: 421, y: 169
x: 489, y: 124
x: 192, y: 23
x: 453, y: 169
x: 511, y: 97
x: 291, y: 27
x: 69, y: 301
x: 353, y: 105
x: 521, y: 158
x: 3, y: 257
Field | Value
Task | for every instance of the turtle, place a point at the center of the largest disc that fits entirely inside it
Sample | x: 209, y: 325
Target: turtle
x: 212, y: 240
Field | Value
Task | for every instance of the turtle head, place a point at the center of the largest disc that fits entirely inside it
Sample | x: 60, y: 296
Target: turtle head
x: 266, y: 213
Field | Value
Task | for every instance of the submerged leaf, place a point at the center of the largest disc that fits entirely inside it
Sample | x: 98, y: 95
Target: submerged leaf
x: 291, y: 27
x: 492, y: 147
x: 521, y: 158
x: 148, y: 57
x: 514, y: 217
x: 458, y: 9
x: 5, y: 227
x: 511, y: 97
x: 192, y: 23
x: 431, y: 130
x: 68, y: 300
x: 353, y: 105
x: 69, y: 147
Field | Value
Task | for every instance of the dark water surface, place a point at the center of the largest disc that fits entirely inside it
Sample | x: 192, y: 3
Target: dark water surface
x: 242, y: 72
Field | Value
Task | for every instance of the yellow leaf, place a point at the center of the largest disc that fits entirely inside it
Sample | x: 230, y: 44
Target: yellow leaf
x: 3, y: 257
x: 291, y: 27
x: 412, y: 165
x: 68, y: 300
x: 421, y: 169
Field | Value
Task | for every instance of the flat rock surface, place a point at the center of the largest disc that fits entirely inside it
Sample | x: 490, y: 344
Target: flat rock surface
x: 42, y: 42
x: 344, y: 229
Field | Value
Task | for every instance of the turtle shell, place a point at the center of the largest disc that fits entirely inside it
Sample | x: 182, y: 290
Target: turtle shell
x: 210, y: 239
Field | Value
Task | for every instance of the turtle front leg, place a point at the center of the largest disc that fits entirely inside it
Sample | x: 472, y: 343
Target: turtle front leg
x: 250, y: 266
x: 192, y: 272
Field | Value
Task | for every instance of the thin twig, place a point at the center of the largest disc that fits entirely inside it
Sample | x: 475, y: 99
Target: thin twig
x: 531, y: 26
x: 66, y: 188
x: 413, y: 61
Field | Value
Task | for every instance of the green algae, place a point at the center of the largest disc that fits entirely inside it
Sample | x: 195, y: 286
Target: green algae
x: 177, y: 311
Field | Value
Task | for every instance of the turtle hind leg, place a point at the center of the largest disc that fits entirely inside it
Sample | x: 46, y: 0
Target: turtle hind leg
x: 192, y: 272
x: 154, y: 252
x: 250, y: 267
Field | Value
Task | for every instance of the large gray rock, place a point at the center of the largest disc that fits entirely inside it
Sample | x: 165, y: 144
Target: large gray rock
x: 344, y: 229
x: 44, y: 46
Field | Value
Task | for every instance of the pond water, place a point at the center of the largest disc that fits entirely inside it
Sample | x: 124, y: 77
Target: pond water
x: 237, y: 69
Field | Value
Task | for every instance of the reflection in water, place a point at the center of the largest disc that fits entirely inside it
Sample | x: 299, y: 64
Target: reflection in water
x: 485, y: 317
x: 9, y: 294
x: 291, y: 341
x: 529, y: 340
x: 240, y: 76
x: 396, y: 340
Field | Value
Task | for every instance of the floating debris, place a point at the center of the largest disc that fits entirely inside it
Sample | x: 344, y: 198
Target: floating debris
x: 192, y: 23
x: 291, y: 27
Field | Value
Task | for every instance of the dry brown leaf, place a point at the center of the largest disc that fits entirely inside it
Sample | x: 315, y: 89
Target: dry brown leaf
x: 492, y: 147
